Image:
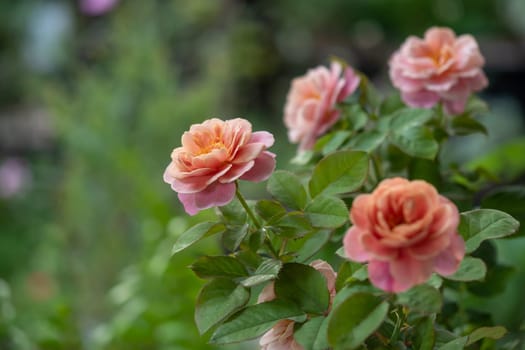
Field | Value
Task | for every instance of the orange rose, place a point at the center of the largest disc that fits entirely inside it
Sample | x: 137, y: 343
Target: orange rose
x: 405, y: 231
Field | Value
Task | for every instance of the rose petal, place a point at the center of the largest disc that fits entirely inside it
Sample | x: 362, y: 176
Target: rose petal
x: 262, y: 169
x: 214, y: 195
x: 353, y: 247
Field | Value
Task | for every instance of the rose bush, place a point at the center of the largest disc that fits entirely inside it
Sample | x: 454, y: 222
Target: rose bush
x: 406, y: 251
x: 439, y: 67
x: 310, y: 108
x: 212, y: 157
x: 406, y: 231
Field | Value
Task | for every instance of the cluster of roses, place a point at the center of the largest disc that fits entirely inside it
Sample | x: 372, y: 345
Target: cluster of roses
x: 404, y: 229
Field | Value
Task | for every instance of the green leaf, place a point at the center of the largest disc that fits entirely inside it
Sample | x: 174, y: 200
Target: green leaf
x: 253, y: 321
x: 482, y: 224
x: 339, y: 172
x: 464, y: 125
x: 423, y: 298
x: 425, y: 336
x: 417, y: 142
x: 349, y: 272
x: 326, y: 211
x: 456, y: 344
x: 303, y: 157
x: 486, y: 332
x: 368, y: 141
x: 471, y: 269
x: 312, y: 334
x: 355, y: 319
x: 292, y: 225
x: 408, y: 118
x: 233, y: 213
x: 270, y: 210
x: 233, y: 236
x: 509, y: 199
x: 195, y: 234
x: 409, y: 134
x: 287, y: 188
x: 217, y: 300
x: 356, y: 116
x: 336, y: 140
x: 391, y: 104
x: 304, y: 286
x: 267, y: 271
x: 313, y: 243
x: 218, y: 266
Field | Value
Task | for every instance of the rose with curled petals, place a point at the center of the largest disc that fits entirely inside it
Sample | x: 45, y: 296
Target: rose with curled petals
x: 438, y: 68
x: 405, y: 230
x: 213, y: 156
x: 310, y: 108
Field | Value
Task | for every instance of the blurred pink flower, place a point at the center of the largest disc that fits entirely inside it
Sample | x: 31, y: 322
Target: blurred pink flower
x: 310, y: 108
x: 440, y: 67
x: 406, y: 231
x: 280, y: 337
x: 96, y: 7
x: 14, y: 177
x: 213, y: 156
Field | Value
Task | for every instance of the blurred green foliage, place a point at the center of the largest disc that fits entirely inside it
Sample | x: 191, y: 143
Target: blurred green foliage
x: 86, y: 248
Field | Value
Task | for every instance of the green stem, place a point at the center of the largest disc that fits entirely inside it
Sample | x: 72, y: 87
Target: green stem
x: 255, y: 221
x: 246, y: 207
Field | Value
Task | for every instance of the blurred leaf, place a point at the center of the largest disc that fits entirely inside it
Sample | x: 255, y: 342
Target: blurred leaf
x: 456, y: 344
x: 475, y: 105
x: 335, y: 141
x: 355, y: 319
x: 496, y: 281
x: 233, y: 236
x: 218, y: 266
x: 303, y: 157
x: 217, y: 300
x: 196, y: 233
x: 312, y: 334
x: 425, y: 336
x: 287, y: 188
x: 408, y: 133
x: 471, y: 269
x: 506, y: 161
x: 304, y: 286
x: 267, y: 271
x: 417, y: 141
x: 326, y: 211
x: 369, y: 94
x: 425, y: 169
x: 368, y: 141
x: 356, y: 116
x: 486, y: 332
x: 464, y: 125
x: 482, y: 224
x: 339, y: 172
x: 253, y: 321
x: 391, y: 104
x: 423, y: 298
x: 270, y: 210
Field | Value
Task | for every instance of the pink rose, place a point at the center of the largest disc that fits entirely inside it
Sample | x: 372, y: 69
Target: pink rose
x: 213, y: 156
x: 439, y: 67
x: 280, y: 337
x: 96, y: 7
x: 311, y: 102
x: 406, y: 231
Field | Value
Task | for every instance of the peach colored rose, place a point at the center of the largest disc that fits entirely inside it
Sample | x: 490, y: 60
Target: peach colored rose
x: 212, y: 157
x: 280, y: 337
x: 310, y: 108
x: 406, y: 231
x: 440, y: 67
